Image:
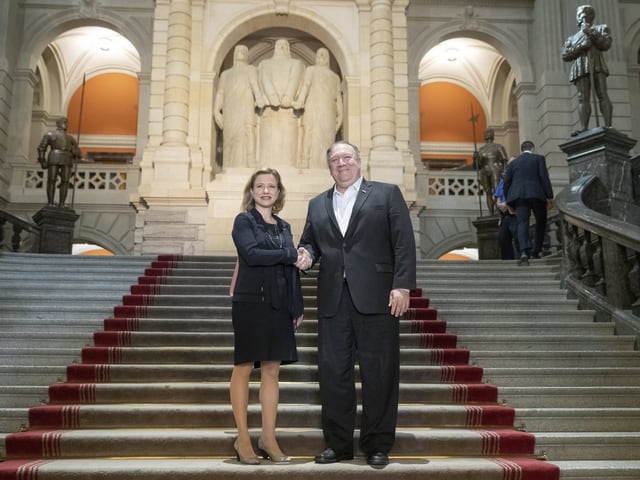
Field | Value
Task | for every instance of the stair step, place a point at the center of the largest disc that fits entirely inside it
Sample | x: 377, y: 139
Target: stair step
x: 599, y: 470
x: 570, y: 396
x: 563, y: 376
x: 41, y: 374
x: 16, y: 356
x: 53, y: 339
x: 222, y: 325
x: 617, y: 446
x: 539, y: 359
x: 578, y: 419
x: 225, y: 339
x: 220, y: 416
x: 196, y: 368
x: 521, y: 328
x: 218, y: 392
x: 546, y: 342
x: 500, y: 304
x: 13, y: 420
x: 306, y: 441
x: 39, y: 356
x: 22, y: 395
x: 511, y: 315
x: 302, y: 467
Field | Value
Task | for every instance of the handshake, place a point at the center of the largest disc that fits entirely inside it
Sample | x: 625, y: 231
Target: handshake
x: 304, y: 261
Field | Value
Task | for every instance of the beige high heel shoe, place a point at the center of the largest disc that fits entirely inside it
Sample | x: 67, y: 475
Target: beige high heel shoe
x: 267, y: 455
x: 253, y: 460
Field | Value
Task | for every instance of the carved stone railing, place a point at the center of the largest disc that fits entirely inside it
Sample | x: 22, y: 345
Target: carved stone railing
x: 18, y: 234
x: 601, y: 260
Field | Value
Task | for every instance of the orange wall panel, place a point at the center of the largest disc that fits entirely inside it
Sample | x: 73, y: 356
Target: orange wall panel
x: 445, y: 113
x: 110, y: 106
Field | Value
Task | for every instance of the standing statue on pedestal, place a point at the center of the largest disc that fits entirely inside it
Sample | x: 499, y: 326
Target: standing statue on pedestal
x: 321, y: 98
x: 490, y: 161
x: 280, y: 77
x: 589, y: 70
x: 234, y: 110
x: 63, y: 153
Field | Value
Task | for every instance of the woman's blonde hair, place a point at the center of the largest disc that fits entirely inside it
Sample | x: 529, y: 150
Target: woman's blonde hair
x: 247, y: 199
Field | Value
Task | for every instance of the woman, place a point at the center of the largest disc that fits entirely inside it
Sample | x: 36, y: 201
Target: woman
x: 267, y: 309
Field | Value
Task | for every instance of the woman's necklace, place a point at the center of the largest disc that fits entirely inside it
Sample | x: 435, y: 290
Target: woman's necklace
x: 275, y: 235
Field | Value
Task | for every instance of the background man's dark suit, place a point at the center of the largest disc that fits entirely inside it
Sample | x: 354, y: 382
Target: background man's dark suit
x: 357, y: 272
x: 528, y: 189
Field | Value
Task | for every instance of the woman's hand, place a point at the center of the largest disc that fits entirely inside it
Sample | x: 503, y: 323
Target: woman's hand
x: 297, y: 322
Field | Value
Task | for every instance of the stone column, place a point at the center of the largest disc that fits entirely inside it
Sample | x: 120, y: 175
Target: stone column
x: 176, y: 88
x: 172, y: 159
x: 385, y: 160
x: 20, y: 118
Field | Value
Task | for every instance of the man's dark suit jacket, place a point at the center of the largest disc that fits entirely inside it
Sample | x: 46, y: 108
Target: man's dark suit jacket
x: 376, y: 254
x: 527, y: 177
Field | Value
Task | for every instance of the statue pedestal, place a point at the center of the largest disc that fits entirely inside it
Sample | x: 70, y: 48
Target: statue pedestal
x: 56, y: 229
x: 487, y: 233
x: 604, y: 152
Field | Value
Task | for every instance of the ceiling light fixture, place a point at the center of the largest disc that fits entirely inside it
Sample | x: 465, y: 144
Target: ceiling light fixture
x: 104, y: 44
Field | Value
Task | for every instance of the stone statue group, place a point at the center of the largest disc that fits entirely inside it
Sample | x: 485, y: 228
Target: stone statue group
x: 279, y: 112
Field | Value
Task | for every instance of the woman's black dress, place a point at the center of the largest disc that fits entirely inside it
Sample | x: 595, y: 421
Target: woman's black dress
x: 267, y: 295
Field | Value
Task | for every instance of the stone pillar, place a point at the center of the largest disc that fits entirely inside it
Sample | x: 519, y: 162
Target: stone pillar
x: 487, y: 233
x: 56, y: 229
x: 385, y: 161
x: 176, y: 89
x: 20, y: 118
x: 171, y: 159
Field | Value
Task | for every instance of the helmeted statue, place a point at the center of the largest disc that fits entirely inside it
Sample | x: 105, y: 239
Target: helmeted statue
x: 63, y: 152
x: 490, y: 161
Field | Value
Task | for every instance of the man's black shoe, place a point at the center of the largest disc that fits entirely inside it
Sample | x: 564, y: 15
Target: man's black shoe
x: 378, y: 459
x: 524, y: 261
x: 331, y: 456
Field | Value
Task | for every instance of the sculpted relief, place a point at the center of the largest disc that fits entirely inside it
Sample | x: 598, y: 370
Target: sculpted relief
x: 278, y: 112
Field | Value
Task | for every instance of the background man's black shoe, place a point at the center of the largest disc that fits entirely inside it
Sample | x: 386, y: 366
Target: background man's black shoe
x: 524, y: 261
x: 331, y: 456
x: 378, y: 459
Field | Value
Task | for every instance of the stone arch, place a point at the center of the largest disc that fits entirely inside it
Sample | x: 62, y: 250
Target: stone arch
x: 44, y: 30
x: 262, y: 18
x: 111, y: 230
x: 443, y: 233
x: 506, y: 42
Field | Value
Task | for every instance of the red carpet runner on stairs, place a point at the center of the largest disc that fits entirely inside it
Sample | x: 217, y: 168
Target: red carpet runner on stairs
x: 154, y: 385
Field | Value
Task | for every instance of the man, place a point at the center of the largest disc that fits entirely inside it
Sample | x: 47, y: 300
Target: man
x: 64, y: 151
x: 507, y: 226
x: 321, y: 98
x: 235, y: 110
x: 362, y: 234
x: 490, y: 161
x: 528, y: 189
x: 584, y: 49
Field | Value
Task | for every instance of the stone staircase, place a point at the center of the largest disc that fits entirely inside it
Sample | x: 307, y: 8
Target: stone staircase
x: 50, y: 305
x: 570, y: 381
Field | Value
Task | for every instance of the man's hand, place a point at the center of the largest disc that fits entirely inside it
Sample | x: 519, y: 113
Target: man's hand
x: 399, y: 301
